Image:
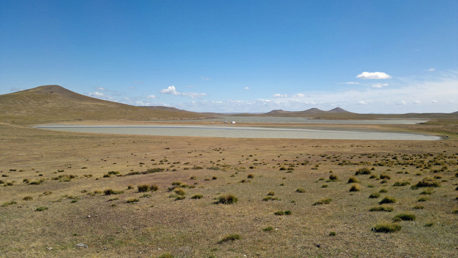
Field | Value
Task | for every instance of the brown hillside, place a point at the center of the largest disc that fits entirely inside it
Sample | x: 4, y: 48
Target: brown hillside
x: 53, y: 103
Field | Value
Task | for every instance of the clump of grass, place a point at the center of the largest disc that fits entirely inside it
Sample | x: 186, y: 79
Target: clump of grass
x: 383, y: 190
x: 146, y: 188
x: 281, y: 213
x: 322, y: 201
x: 270, y: 194
x: 166, y: 255
x: 355, y: 188
x: 332, y: 178
x: 352, y: 180
x: 418, y: 207
x: 362, y: 171
x: 250, y: 176
x: 179, y: 191
x: 300, y: 190
x: 387, y: 199
x: 9, y: 203
x: 132, y: 200
x: 426, y: 182
x: 386, y: 228
x: 430, y: 224
x: 270, y: 198
x: 227, y: 199
x: 268, y: 229
x: 324, y: 186
x: 385, y: 176
x: 228, y: 238
x: 427, y: 192
x: 404, y: 216
x: 197, y: 196
x: 332, y: 233
x: 42, y: 208
x: 111, y: 191
x: 382, y: 208
x: 422, y: 199
x: 27, y: 198
x: 401, y: 183
x: 374, y: 195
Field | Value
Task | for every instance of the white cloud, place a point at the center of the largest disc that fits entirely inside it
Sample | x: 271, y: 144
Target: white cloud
x: 362, y: 102
x: 432, y: 69
x: 204, y: 78
x: 170, y: 90
x: 351, y: 83
x: 279, y: 95
x: 246, y: 88
x: 96, y: 94
x: 379, y: 85
x: 173, y: 91
x: 373, y: 75
x: 100, y: 88
x: 299, y: 95
x: 151, y: 96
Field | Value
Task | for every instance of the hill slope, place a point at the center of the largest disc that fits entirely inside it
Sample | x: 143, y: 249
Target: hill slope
x: 53, y: 103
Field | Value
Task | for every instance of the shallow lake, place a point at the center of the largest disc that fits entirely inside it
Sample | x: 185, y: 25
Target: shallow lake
x: 304, y: 120
x: 237, y: 132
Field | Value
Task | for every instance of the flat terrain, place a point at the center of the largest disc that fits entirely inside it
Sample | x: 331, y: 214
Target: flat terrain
x: 61, y: 189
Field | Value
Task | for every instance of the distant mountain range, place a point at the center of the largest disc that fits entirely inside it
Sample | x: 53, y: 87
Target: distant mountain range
x: 53, y: 103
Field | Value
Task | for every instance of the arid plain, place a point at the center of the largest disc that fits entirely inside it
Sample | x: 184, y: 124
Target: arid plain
x: 72, y: 194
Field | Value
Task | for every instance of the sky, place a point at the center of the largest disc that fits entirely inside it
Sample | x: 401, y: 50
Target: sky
x: 365, y: 56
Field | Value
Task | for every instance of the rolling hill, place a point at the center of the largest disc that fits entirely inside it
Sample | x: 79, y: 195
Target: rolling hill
x: 53, y: 103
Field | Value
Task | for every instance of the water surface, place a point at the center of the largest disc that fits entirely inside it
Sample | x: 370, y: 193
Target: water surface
x: 237, y: 132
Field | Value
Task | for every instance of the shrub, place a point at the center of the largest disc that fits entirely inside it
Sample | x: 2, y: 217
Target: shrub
x: 111, y: 191
x: 270, y: 193
x: 300, y: 190
x: 227, y: 199
x: 267, y: 229
x: 332, y: 178
x: 383, y: 190
x: 427, y: 192
x: 374, y: 195
x: 387, y: 199
x: 42, y: 208
x: 423, y: 199
x: 281, y: 213
x: 385, y: 176
x: 132, y: 200
x: 166, y: 255
x: 418, y: 207
x: 363, y: 171
x: 426, y: 182
x: 228, y: 238
x: 250, y: 176
x: 179, y: 191
x: 27, y: 198
x: 382, y: 208
x: 322, y: 201
x: 355, y: 188
x: 142, y: 188
x: 332, y: 233
x: 404, y: 216
x: 352, y: 180
x: 8, y: 203
x: 197, y: 196
x: 386, y: 228
x: 403, y: 183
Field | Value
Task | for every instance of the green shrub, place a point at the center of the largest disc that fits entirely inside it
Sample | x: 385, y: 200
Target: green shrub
x: 387, y: 199
x: 166, y: 255
x: 9, y: 203
x: 132, y: 200
x: 382, y: 208
x: 179, y: 191
x: 197, y: 196
x: 267, y: 229
x: 227, y: 199
x: 374, y: 195
x: 322, y: 201
x: 362, y: 171
x: 426, y: 182
x: 228, y: 238
x: 352, y: 180
x: 42, y: 208
x: 386, y: 228
x: 404, y: 216
x: 355, y: 188
x: 332, y: 233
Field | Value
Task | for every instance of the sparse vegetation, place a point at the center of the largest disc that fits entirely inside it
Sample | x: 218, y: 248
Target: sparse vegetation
x: 227, y: 199
x: 386, y: 228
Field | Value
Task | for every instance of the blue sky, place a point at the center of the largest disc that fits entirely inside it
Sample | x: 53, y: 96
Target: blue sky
x: 238, y: 56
